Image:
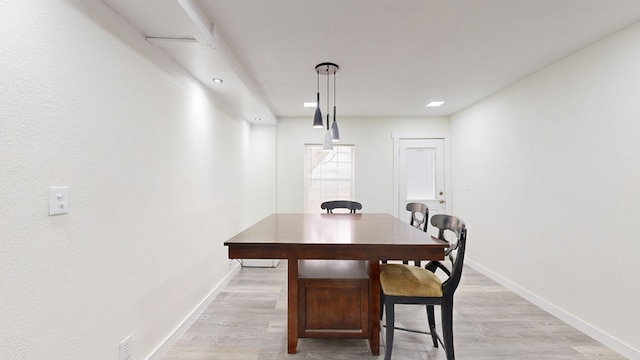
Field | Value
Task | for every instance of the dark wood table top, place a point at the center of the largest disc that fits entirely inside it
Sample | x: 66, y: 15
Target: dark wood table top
x: 364, y: 236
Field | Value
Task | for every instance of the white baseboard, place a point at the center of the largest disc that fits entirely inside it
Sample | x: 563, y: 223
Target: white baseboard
x: 266, y: 263
x: 170, y: 340
x: 609, y: 341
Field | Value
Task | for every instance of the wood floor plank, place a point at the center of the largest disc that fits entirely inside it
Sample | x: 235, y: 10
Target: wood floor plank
x: 248, y: 321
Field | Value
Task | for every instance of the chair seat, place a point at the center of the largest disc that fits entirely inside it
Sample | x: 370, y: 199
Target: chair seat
x: 408, y: 280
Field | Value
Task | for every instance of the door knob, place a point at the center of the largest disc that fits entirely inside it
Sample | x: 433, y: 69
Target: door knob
x: 441, y: 201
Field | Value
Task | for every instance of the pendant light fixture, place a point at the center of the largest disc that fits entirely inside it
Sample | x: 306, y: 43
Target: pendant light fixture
x: 335, y: 134
x: 317, y: 119
x: 332, y: 134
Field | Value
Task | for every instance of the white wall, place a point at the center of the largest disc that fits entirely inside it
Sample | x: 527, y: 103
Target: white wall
x: 546, y: 174
x: 374, y: 156
x: 158, y: 177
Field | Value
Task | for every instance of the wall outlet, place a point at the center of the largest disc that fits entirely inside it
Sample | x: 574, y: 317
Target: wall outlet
x: 126, y: 348
x: 58, y: 200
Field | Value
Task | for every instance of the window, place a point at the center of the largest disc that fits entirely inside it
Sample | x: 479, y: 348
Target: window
x: 328, y: 175
x: 421, y: 166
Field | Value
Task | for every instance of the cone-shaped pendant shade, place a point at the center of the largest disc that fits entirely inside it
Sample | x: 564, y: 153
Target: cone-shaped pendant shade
x: 317, y: 119
x: 335, y: 133
x: 328, y: 143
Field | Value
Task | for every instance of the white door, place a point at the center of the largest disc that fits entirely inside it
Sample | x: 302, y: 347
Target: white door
x: 420, y: 175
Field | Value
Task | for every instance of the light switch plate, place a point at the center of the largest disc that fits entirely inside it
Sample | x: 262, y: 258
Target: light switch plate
x: 126, y: 348
x: 58, y: 200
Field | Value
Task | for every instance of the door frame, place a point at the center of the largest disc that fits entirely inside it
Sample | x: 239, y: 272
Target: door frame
x: 397, y: 137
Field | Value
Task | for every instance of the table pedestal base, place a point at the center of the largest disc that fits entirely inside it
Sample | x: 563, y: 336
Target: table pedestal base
x: 314, y: 304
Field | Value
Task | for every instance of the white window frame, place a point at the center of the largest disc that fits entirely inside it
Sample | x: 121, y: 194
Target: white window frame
x: 328, y: 175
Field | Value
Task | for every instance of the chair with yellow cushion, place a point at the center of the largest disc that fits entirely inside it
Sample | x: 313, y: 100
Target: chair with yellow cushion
x: 408, y: 284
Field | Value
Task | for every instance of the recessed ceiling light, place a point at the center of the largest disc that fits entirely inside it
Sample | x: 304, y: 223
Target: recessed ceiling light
x: 217, y: 80
x: 257, y: 119
x: 310, y: 104
x: 435, y: 103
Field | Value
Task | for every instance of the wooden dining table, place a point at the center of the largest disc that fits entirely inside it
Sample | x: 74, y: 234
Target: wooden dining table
x: 366, y: 236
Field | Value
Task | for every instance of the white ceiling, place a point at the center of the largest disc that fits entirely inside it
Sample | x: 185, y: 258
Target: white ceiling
x: 394, y: 55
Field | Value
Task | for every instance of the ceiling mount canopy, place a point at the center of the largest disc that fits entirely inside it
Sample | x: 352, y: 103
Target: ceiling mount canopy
x: 327, y: 69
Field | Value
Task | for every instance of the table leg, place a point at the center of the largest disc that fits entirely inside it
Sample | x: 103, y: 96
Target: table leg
x: 374, y: 306
x: 292, y: 306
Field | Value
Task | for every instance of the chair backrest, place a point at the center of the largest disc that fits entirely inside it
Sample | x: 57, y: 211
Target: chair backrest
x: 419, y: 215
x: 455, y: 253
x: 352, y: 206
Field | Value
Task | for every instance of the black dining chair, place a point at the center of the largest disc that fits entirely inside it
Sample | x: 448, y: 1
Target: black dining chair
x: 352, y: 206
x: 419, y: 215
x: 409, y: 284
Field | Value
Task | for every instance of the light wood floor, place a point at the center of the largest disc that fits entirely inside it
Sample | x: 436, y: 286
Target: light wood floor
x: 248, y: 320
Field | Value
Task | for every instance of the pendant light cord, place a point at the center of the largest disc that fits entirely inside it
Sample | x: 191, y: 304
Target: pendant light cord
x: 318, y: 88
x: 327, y: 97
x: 334, y: 95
